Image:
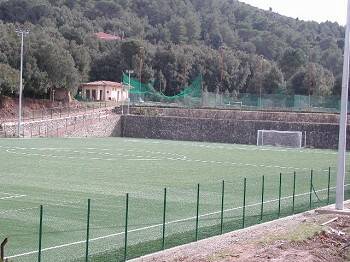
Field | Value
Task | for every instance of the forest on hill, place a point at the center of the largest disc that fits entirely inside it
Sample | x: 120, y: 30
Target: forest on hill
x: 235, y: 47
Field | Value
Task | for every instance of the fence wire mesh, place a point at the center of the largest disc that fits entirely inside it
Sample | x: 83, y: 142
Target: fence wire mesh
x: 281, y: 102
x: 75, y: 231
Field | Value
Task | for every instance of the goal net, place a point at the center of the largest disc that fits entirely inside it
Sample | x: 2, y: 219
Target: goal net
x: 280, y: 138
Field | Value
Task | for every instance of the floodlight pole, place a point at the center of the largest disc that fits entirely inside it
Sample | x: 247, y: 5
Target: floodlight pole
x: 129, y: 72
x: 142, y: 50
x: 21, y: 33
x: 339, y: 205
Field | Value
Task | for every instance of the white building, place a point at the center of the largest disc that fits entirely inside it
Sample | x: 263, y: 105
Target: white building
x: 104, y: 91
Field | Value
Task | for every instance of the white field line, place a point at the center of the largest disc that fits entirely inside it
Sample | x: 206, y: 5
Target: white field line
x: 154, y: 159
x: 5, y: 193
x: 159, y: 225
x: 241, y: 147
x: 17, y: 210
x: 12, y: 150
x: 14, y: 196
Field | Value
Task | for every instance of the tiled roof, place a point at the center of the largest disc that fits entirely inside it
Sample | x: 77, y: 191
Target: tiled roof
x: 108, y: 37
x: 103, y: 83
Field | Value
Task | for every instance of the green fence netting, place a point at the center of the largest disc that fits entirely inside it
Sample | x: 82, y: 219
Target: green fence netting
x: 140, y: 92
x: 193, y: 95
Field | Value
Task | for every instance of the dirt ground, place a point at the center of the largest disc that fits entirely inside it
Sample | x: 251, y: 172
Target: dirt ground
x: 302, y: 238
x: 9, y: 106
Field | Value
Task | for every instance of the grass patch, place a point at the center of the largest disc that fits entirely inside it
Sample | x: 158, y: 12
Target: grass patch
x: 61, y: 174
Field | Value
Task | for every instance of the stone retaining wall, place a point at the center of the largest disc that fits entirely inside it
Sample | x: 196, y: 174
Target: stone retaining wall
x: 238, y: 115
x: 319, y: 135
x: 99, y: 124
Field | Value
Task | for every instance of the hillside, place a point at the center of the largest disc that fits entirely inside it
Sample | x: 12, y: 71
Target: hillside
x: 169, y: 42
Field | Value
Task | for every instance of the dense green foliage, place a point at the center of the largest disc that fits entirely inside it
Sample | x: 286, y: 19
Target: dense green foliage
x: 169, y: 42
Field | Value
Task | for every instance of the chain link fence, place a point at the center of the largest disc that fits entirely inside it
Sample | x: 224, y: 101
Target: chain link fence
x: 267, y: 102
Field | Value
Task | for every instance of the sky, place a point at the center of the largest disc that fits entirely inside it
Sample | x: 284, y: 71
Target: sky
x: 315, y: 10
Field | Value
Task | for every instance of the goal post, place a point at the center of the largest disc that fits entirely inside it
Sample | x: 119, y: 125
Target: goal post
x: 292, y: 139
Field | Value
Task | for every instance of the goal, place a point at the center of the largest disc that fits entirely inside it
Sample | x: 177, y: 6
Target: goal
x: 280, y: 138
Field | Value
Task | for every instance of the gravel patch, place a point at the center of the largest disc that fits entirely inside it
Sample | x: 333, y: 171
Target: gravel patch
x: 297, y: 238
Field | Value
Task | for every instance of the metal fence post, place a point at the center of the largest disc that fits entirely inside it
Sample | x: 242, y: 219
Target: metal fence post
x: 164, y: 217
x: 244, y: 201
x: 222, y: 207
x: 311, y: 186
x: 40, y: 232
x: 197, y: 213
x: 262, y: 198
x: 294, y: 179
x: 329, y: 185
x: 279, y: 196
x: 87, y: 232
x: 126, y: 227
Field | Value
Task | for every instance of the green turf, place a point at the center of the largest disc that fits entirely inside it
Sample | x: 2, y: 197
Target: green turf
x: 61, y: 174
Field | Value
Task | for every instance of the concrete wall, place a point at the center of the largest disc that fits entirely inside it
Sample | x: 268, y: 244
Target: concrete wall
x: 319, y: 135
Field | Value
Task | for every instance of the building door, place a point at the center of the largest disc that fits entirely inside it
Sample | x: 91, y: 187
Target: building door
x: 93, y: 94
x: 87, y: 94
x: 101, y: 95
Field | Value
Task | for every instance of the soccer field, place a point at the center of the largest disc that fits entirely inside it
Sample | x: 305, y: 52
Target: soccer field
x: 62, y: 174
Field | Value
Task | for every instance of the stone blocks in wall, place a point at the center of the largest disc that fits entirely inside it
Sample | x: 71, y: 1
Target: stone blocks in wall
x: 319, y: 135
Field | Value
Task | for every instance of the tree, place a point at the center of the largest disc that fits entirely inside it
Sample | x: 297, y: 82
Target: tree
x: 274, y: 81
x: 193, y: 28
x: 8, y: 80
x: 291, y: 61
x: 312, y: 79
x: 181, y: 39
x: 177, y: 30
x: 59, y: 66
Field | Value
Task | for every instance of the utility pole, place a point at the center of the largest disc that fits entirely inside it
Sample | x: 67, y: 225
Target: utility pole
x: 339, y: 205
x: 22, y: 33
